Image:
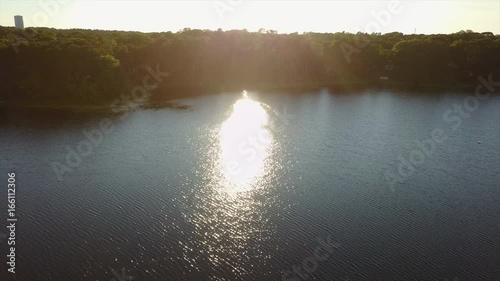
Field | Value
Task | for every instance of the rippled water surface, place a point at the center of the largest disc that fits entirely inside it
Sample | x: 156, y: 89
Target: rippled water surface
x: 240, y: 187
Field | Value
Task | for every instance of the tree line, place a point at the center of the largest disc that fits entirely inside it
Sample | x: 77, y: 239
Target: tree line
x: 52, y: 66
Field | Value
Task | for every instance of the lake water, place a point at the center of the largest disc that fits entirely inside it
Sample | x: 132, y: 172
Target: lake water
x: 269, y: 187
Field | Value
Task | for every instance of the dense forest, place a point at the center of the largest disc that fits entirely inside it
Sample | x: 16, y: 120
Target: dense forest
x: 90, y: 67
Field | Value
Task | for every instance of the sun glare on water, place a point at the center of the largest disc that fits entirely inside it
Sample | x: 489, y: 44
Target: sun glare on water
x: 240, y: 164
x: 245, y: 143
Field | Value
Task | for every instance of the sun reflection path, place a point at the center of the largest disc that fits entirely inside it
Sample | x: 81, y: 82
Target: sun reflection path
x: 230, y: 219
x: 241, y: 168
x: 245, y: 144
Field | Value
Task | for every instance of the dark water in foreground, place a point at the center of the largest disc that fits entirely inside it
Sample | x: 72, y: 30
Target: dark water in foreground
x: 236, y: 190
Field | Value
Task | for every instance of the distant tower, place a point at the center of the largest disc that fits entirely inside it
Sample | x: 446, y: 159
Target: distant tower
x: 18, y: 20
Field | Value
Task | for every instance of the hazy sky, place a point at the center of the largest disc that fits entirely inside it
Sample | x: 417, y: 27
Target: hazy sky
x: 284, y: 16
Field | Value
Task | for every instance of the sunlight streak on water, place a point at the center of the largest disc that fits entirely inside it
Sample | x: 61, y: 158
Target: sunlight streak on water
x: 245, y: 145
x: 229, y: 220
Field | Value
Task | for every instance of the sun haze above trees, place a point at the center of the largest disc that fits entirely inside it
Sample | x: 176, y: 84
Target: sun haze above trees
x: 51, y: 66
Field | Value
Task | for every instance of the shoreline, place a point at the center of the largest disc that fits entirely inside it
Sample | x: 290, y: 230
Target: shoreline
x: 166, y: 98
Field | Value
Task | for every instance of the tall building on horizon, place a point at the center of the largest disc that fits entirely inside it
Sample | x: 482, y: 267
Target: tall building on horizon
x: 18, y: 20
